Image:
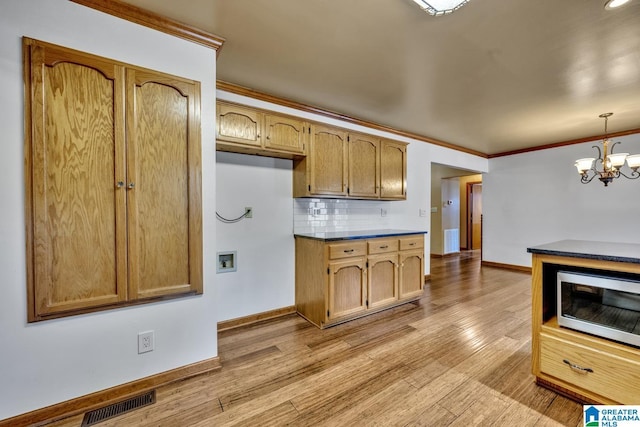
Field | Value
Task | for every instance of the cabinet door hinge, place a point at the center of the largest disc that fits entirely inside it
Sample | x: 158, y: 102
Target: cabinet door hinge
x: 367, y: 302
x: 328, y: 270
x: 309, y: 187
x: 367, y: 264
x: 327, y: 313
x: 348, y: 138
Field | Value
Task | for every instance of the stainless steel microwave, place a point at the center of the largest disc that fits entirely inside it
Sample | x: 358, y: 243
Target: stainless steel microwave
x: 603, y: 306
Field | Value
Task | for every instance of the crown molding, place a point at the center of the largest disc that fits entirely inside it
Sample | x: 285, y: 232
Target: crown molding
x: 563, y: 143
x: 252, y: 93
x: 155, y: 21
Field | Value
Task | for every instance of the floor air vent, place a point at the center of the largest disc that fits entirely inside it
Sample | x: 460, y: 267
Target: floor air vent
x: 99, y: 415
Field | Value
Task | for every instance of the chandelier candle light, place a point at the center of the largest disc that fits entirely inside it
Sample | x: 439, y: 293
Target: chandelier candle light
x: 611, y: 162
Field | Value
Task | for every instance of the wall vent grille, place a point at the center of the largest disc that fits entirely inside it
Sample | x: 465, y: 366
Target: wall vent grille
x: 116, y: 409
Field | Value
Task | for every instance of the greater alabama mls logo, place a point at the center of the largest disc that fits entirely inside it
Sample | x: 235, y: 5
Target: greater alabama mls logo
x: 611, y: 416
x: 591, y: 417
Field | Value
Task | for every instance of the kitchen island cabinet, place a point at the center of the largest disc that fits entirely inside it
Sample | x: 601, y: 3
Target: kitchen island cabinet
x: 343, y: 276
x: 586, y: 366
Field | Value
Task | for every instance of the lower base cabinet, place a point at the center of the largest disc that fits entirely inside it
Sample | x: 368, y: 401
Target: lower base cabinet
x: 338, y: 281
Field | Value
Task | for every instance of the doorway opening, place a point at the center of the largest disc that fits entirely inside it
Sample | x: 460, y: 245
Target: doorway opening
x: 456, y: 210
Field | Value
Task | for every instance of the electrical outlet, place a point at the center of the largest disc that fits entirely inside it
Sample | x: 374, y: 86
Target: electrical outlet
x: 383, y: 212
x: 422, y: 212
x: 145, y: 342
x: 248, y: 212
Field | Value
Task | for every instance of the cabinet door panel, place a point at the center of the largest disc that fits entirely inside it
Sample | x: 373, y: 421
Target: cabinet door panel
x: 364, y: 164
x: 411, y: 273
x: 240, y: 125
x: 75, y: 159
x: 393, y: 170
x: 383, y: 280
x: 158, y: 187
x: 328, y: 161
x: 347, y: 287
x: 283, y: 133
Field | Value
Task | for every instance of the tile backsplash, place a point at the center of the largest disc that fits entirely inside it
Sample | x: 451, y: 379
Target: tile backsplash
x: 326, y: 215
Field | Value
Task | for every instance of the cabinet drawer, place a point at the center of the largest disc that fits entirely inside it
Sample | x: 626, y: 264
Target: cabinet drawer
x: 347, y: 249
x: 412, y: 242
x: 608, y: 375
x: 380, y: 246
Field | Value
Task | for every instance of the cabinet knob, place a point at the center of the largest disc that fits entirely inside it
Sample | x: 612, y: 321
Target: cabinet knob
x: 119, y: 184
x: 131, y: 185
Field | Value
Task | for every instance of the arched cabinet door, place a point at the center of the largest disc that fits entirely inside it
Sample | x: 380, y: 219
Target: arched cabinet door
x: 382, y: 279
x: 364, y: 166
x: 163, y: 186
x: 393, y: 170
x: 347, y: 287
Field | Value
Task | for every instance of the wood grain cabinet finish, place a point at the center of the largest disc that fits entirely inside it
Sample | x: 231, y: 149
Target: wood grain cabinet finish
x: 411, y: 266
x: 586, y: 367
x: 247, y: 130
x: 393, y: 170
x: 344, y: 280
x: 112, y: 172
x: 364, y: 166
x: 341, y: 164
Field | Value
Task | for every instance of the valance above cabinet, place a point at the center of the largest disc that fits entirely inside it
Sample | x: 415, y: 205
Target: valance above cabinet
x: 112, y: 172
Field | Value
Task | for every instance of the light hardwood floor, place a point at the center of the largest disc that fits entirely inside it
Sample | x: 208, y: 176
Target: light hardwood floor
x: 458, y: 357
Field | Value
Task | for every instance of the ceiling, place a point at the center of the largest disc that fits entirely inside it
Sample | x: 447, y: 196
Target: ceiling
x: 494, y: 76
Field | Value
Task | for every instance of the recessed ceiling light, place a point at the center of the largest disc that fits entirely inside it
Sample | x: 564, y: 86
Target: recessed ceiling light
x: 612, y: 4
x: 441, y: 7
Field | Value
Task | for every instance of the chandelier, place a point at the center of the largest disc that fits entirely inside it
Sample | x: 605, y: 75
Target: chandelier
x: 610, y: 163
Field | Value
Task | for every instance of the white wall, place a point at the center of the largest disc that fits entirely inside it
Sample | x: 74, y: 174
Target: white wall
x: 262, y: 184
x: 535, y: 198
x: 51, y: 361
x: 264, y: 279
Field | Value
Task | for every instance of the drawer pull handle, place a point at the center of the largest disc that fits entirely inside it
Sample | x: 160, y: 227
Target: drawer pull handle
x: 412, y: 244
x: 348, y: 251
x: 384, y: 247
x: 577, y: 368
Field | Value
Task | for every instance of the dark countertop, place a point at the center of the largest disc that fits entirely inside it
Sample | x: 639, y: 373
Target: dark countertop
x: 603, y: 251
x: 357, y: 234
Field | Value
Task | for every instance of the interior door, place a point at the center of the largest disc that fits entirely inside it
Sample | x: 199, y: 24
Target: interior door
x: 476, y: 216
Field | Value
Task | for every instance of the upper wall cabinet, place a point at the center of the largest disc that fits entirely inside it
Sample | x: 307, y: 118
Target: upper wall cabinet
x: 350, y: 165
x: 247, y: 130
x: 112, y: 172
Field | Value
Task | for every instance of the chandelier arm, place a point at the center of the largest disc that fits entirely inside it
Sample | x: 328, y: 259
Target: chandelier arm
x: 634, y: 174
x: 599, y: 153
x: 585, y: 177
x: 613, y: 145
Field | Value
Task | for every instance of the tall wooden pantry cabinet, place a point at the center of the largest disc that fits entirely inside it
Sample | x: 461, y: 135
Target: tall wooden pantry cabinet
x: 113, y: 183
